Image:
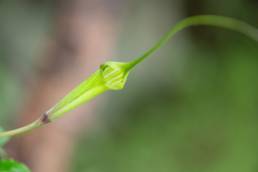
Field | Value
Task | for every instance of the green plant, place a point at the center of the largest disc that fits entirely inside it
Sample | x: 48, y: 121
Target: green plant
x: 113, y: 75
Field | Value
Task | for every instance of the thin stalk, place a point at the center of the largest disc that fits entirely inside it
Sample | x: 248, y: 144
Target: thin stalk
x: 206, y: 20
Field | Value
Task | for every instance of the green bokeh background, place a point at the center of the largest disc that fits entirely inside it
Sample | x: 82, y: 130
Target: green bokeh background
x: 191, y: 108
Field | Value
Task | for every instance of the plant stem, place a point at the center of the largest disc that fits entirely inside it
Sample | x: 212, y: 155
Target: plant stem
x: 206, y: 20
x: 22, y: 130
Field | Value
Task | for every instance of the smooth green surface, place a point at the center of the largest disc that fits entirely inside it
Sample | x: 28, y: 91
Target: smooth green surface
x: 12, y: 166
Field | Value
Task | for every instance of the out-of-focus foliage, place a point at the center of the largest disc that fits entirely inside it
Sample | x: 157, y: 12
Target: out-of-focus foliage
x: 9, y: 165
x: 12, y: 166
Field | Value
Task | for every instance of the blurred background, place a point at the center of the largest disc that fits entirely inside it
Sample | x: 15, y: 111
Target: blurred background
x: 192, y: 107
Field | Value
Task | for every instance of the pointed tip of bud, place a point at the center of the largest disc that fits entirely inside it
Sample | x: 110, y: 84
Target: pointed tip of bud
x: 115, y: 74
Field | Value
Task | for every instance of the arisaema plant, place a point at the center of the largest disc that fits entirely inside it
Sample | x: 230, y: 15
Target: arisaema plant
x: 113, y: 75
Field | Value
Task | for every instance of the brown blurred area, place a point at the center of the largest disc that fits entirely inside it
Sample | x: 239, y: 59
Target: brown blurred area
x: 83, y: 35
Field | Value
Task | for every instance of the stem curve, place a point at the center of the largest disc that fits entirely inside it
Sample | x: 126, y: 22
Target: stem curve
x: 198, y: 20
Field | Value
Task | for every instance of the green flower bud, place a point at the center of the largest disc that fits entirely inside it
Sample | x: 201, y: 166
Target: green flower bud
x: 110, y: 76
x: 115, y: 74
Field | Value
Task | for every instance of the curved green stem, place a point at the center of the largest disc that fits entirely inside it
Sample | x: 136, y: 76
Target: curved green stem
x: 105, y: 79
x: 206, y: 20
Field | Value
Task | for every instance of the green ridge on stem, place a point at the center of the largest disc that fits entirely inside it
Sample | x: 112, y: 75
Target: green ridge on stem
x: 113, y: 75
